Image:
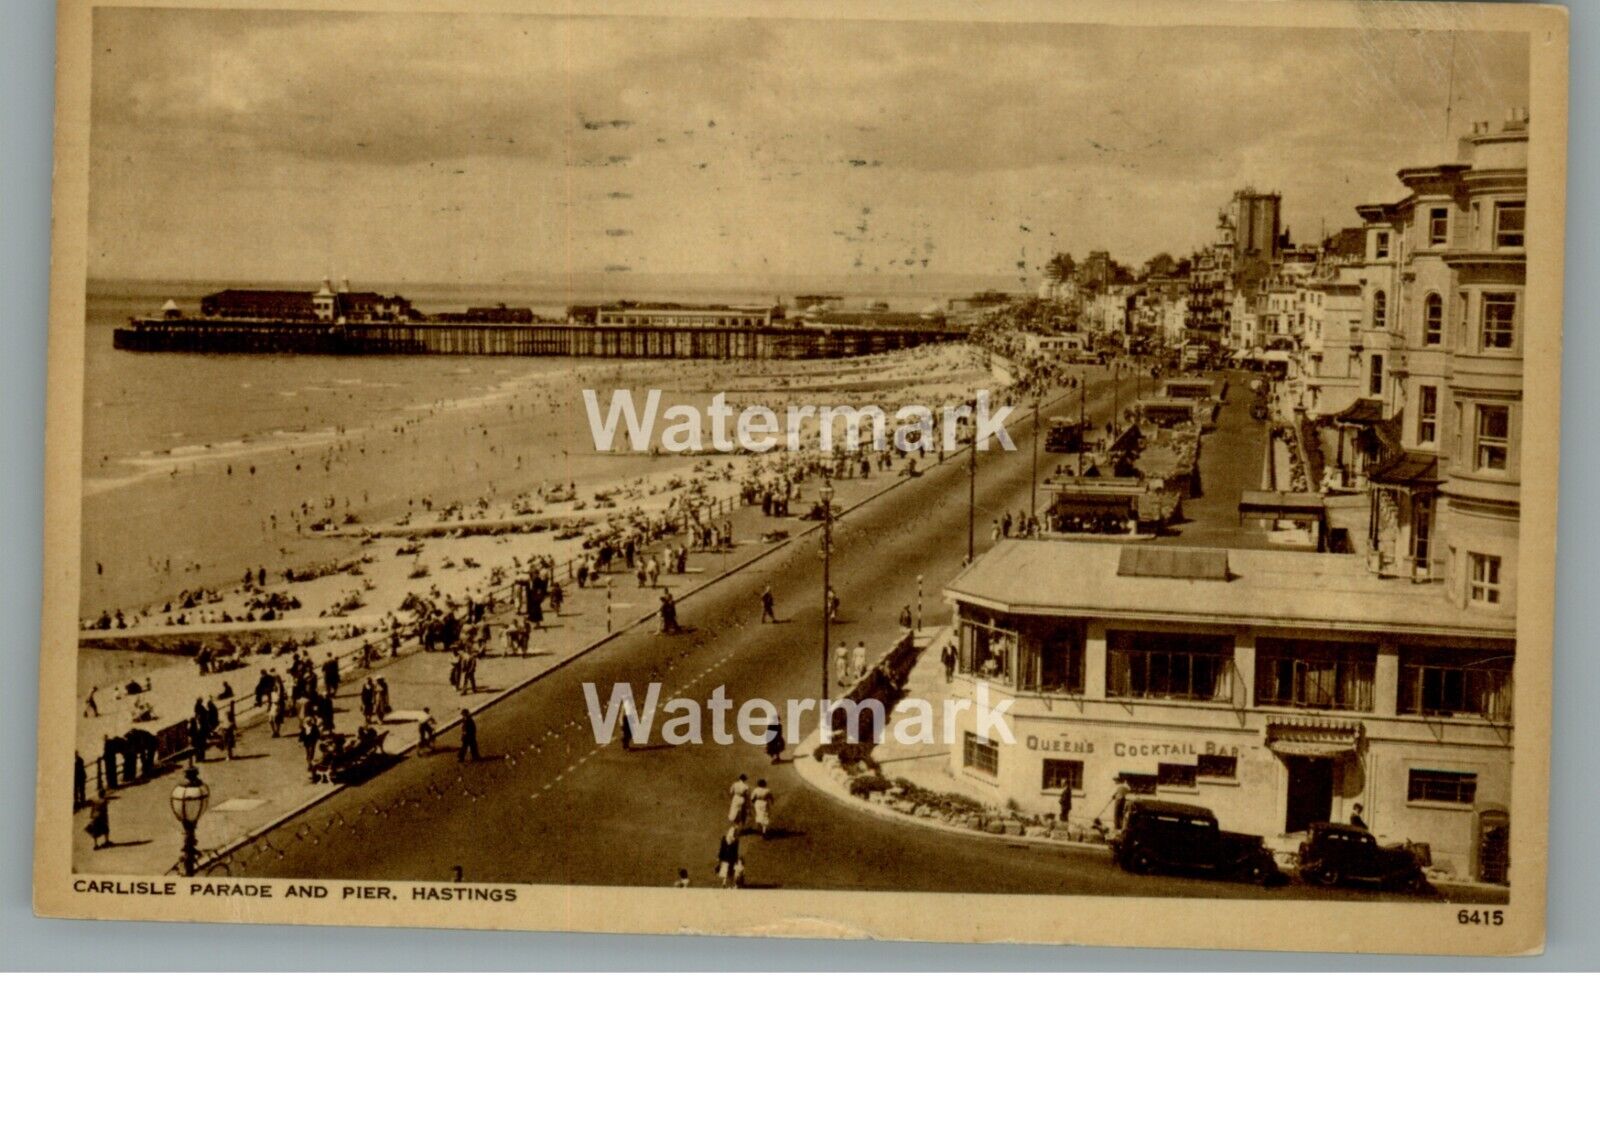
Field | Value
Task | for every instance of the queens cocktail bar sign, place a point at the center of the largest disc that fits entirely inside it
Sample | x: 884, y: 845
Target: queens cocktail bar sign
x: 1166, y: 749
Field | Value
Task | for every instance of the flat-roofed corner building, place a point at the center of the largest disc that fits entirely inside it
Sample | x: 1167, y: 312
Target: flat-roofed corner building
x: 1275, y: 687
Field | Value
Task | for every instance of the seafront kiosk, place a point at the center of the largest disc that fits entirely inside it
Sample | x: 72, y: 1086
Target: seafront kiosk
x: 1275, y: 687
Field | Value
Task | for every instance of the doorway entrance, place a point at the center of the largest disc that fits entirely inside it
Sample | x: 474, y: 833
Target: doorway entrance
x: 1310, y: 792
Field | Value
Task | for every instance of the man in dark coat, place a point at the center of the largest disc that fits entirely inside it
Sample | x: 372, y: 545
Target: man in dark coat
x: 469, y: 737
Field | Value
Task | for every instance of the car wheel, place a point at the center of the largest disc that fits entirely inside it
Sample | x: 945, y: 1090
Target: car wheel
x: 1139, y: 861
x: 1323, y: 876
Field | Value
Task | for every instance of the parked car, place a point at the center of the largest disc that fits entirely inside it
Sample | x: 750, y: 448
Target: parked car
x: 1158, y: 835
x: 1340, y: 853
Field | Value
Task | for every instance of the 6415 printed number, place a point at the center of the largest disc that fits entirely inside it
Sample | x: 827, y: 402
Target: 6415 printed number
x: 1481, y: 917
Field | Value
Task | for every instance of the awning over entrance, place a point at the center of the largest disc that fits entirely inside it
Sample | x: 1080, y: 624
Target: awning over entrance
x: 1361, y: 412
x: 1313, y: 737
x: 1408, y: 469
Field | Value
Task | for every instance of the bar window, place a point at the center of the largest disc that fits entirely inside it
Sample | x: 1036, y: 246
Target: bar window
x: 1494, y: 437
x: 1509, y: 217
x: 1180, y: 667
x: 1427, y: 415
x: 1050, y: 656
x: 1380, y: 245
x: 980, y: 755
x: 1175, y: 776
x: 1315, y: 675
x: 1484, y: 582
x: 1215, y: 767
x: 1062, y: 774
x: 1454, y: 682
x: 1442, y: 787
x: 988, y: 651
x: 1499, y: 321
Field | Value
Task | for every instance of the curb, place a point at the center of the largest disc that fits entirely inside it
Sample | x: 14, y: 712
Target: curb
x: 811, y: 774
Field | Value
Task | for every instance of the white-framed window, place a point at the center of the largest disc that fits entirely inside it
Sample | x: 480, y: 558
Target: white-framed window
x: 980, y: 756
x: 1439, y: 225
x: 1059, y: 774
x: 1483, y: 577
x: 1499, y: 321
x: 1432, y: 320
x: 1509, y: 218
x: 1493, y: 438
x: 1439, y: 786
x: 1380, y: 308
x: 1380, y: 246
x: 1427, y: 415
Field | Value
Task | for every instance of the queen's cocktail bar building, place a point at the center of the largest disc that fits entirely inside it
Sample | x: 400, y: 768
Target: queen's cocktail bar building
x: 1275, y: 687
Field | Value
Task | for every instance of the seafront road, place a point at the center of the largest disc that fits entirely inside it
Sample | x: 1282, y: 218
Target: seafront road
x: 550, y: 805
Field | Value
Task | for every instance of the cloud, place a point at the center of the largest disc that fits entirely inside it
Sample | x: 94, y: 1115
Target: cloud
x: 714, y: 142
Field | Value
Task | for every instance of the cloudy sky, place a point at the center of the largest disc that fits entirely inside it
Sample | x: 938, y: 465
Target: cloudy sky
x: 466, y: 148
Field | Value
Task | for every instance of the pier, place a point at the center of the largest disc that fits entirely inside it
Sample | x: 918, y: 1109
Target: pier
x: 255, y: 336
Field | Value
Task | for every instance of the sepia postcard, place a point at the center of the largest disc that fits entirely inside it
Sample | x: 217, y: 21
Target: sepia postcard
x: 1023, y: 472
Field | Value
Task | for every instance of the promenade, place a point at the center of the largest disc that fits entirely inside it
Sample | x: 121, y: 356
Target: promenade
x: 266, y: 779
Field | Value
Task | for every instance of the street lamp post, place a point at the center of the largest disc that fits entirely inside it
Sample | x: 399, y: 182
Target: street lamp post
x: 189, y: 802
x: 972, y: 490
x: 827, y: 615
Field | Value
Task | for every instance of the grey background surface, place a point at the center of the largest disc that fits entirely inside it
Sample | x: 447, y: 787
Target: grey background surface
x: 27, y: 56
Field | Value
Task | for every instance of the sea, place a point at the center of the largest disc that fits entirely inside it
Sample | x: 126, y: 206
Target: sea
x: 196, y: 467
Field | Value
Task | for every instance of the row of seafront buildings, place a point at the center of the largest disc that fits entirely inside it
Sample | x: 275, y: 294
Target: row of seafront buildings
x: 1283, y: 687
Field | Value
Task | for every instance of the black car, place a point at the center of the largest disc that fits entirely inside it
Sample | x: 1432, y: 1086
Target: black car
x: 1160, y: 836
x: 1341, y: 853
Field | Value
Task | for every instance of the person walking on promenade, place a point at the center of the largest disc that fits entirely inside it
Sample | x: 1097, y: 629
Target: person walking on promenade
x: 775, y: 740
x: 280, y: 705
x: 230, y: 733
x: 557, y: 597
x: 426, y: 729
x: 768, y: 610
x: 730, y: 866
x: 369, y: 698
x: 761, y: 804
x: 947, y: 656
x: 1066, y: 803
x: 108, y: 765
x: 469, y: 737
x: 627, y: 732
x: 738, y: 800
x: 841, y: 664
x: 330, y: 676
x: 832, y: 604
x: 99, y: 825
x: 858, y: 662
x: 309, y: 735
x: 80, y: 782
x: 90, y: 709
x: 469, y: 672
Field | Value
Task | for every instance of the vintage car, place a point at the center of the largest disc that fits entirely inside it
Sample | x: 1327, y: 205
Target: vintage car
x: 1341, y: 853
x: 1158, y: 835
